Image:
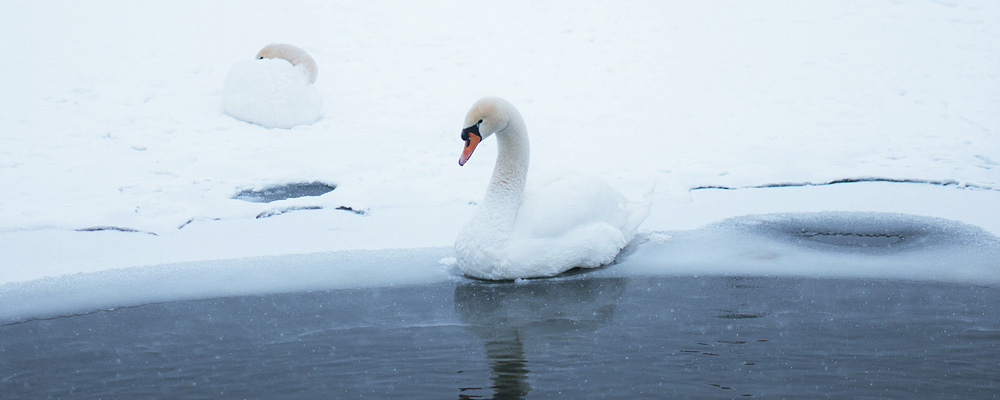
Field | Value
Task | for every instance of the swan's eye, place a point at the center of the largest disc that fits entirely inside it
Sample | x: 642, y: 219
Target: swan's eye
x: 479, y: 123
x: 261, y: 58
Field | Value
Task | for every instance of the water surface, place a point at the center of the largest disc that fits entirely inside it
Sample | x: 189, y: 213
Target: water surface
x: 579, y: 336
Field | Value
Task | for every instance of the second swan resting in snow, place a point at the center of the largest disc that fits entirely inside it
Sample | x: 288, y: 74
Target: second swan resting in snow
x: 275, y: 90
x: 576, y: 221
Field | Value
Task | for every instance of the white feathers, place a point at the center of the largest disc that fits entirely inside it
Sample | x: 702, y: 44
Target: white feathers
x: 574, y: 221
x: 272, y: 92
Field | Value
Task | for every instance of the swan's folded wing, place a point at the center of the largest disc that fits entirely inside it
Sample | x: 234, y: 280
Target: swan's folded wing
x: 566, y: 204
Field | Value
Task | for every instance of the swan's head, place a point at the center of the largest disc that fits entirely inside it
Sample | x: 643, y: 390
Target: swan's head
x: 486, y: 117
x: 292, y: 54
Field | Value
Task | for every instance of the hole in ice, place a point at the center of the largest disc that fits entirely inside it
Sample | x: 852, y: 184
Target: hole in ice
x: 739, y: 315
x: 113, y: 228
x: 855, y: 239
x: 863, y: 231
x: 284, y: 192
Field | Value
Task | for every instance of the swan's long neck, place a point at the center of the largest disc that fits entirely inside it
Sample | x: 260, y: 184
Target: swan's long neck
x: 309, y: 65
x: 510, y: 174
x: 296, y: 56
x: 300, y: 59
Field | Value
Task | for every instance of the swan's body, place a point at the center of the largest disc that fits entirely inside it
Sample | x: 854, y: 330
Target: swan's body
x: 274, y: 90
x: 576, y: 221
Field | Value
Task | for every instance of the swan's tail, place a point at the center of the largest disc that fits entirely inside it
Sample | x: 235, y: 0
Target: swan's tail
x: 638, y: 210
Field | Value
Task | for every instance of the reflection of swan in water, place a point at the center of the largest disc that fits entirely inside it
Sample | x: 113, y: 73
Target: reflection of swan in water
x: 507, y: 315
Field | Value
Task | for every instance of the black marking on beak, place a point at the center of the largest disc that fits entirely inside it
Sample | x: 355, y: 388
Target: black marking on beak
x: 473, y: 130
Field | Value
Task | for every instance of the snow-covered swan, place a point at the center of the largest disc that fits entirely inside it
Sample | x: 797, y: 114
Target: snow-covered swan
x: 274, y: 90
x: 576, y: 221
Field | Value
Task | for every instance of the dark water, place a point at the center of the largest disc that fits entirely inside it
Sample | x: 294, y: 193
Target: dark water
x: 283, y: 192
x: 573, y: 337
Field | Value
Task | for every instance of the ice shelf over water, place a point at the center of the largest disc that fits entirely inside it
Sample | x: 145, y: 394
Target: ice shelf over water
x: 827, y: 245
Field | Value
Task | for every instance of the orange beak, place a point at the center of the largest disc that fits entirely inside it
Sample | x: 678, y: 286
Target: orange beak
x: 470, y: 146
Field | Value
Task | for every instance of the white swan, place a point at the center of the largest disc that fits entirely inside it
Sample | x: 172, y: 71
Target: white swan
x: 275, y: 90
x: 576, y: 221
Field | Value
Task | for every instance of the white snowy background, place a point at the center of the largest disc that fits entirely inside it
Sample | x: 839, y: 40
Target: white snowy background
x: 110, y: 117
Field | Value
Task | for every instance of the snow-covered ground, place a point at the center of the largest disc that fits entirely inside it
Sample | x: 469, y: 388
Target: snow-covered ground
x: 115, y: 153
